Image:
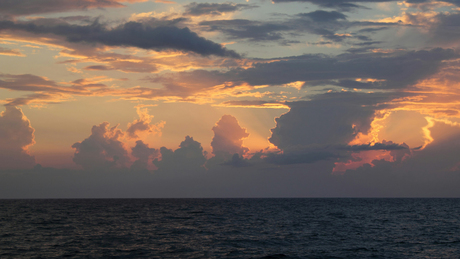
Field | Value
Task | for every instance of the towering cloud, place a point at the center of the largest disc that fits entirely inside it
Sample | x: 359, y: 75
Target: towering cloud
x: 189, y: 157
x: 228, y: 138
x: 102, y: 149
x: 16, y: 135
x: 143, y: 124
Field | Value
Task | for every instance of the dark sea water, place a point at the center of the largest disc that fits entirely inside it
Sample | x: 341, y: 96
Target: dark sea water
x: 230, y: 228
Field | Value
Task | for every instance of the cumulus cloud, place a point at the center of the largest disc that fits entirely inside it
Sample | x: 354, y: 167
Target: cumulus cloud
x: 16, y: 135
x: 329, y: 119
x: 143, y: 124
x: 189, y: 157
x: 153, y: 34
x: 103, y: 149
x: 237, y: 161
x: 11, y: 52
x: 144, y: 154
x: 228, y: 137
x: 350, y: 5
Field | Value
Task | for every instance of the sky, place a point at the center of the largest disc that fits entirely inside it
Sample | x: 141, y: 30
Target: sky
x: 256, y: 98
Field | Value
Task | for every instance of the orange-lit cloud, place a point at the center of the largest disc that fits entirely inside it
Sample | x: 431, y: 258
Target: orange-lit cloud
x: 11, y: 52
x: 143, y: 124
x: 228, y: 137
x: 16, y: 136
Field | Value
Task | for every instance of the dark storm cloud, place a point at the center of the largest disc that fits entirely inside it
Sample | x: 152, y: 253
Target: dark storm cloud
x: 326, y: 121
x: 198, y: 9
x: 27, y: 7
x: 148, y: 35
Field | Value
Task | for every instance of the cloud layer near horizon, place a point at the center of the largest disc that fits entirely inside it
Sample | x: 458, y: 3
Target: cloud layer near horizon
x: 345, y: 98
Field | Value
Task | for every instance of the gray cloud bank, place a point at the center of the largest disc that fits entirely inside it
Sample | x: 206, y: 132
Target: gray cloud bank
x: 155, y: 34
x: 27, y: 7
x: 302, y: 169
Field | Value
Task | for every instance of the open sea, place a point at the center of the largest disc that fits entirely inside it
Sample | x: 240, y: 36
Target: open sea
x: 230, y: 228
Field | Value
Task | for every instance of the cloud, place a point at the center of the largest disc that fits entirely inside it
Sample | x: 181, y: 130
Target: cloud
x: 188, y: 158
x: 228, y: 137
x: 11, y: 52
x: 48, y: 91
x: 16, y: 135
x: 256, y: 104
x: 318, y: 22
x: 327, y: 120
x: 324, y: 16
x: 443, y: 28
x: 377, y: 71
x: 28, y: 7
x: 395, y: 70
x: 327, y: 24
x: 143, y: 124
x: 98, y: 68
x: 237, y: 161
x: 344, y: 5
x: 350, y: 5
x: 153, y: 34
x: 375, y: 146
x: 198, y: 9
x: 102, y: 149
x: 298, y: 157
x: 144, y: 155
x: 165, y: 2
x: 307, y: 175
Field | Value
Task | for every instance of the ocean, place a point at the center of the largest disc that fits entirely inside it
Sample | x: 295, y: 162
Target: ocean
x: 230, y: 228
